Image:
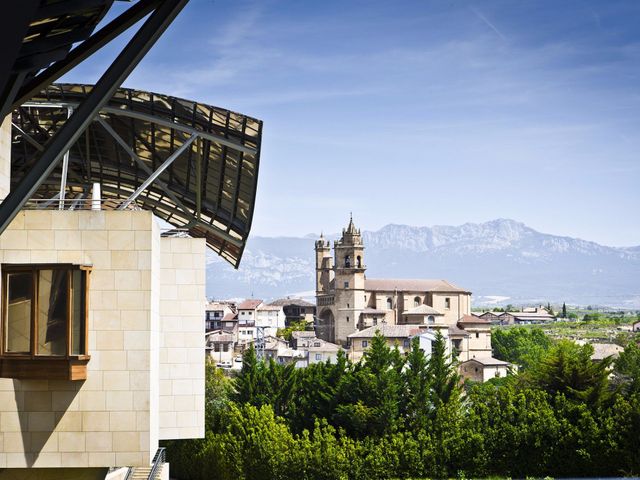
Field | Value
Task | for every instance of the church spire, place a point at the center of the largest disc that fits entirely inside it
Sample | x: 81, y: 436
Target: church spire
x: 351, y: 228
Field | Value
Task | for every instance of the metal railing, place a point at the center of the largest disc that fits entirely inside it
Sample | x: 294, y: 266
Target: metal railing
x: 156, y: 464
x: 158, y: 461
x: 78, y: 204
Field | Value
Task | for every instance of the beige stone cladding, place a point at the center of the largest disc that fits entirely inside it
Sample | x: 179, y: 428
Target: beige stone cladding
x: 107, y: 419
x: 182, y: 340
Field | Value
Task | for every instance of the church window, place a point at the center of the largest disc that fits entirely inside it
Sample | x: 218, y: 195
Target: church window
x: 347, y: 319
x: 346, y: 284
x: 347, y: 261
x: 416, y: 302
x: 359, y: 262
x: 389, y: 303
x: 477, y: 335
x: 447, y: 303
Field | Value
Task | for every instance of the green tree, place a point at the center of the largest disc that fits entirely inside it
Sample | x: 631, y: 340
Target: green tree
x: 567, y: 369
x: 415, y: 398
x: 627, y: 367
x: 519, y: 345
x: 564, y: 310
x: 248, y: 382
x: 445, y: 381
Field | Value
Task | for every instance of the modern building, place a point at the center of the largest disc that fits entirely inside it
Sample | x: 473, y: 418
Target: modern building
x: 110, y: 198
x: 317, y: 350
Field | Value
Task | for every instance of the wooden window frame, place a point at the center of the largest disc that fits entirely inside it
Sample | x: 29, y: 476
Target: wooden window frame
x: 30, y: 365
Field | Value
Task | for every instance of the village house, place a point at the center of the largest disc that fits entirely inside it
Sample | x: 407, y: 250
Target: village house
x: 295, y: 310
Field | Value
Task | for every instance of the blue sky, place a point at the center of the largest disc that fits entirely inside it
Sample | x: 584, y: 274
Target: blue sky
x: 421, y: 112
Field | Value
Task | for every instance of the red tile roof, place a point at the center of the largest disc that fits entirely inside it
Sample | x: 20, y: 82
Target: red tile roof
x: 250, y: 304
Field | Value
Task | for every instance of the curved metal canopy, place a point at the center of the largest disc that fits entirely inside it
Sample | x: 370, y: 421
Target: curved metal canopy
x: 193, y: 165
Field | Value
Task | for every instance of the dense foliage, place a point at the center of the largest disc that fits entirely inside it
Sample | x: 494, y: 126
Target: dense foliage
x: 395, y: 416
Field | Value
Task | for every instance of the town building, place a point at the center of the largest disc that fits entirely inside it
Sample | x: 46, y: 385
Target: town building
x: 219, y: 347
x: 316, y: 349
x: 483, y: 369
x: 525, y: 317
x: 352, y: 308
x: 348, y: 301
x: 296, y: 310
x: 215, y: 315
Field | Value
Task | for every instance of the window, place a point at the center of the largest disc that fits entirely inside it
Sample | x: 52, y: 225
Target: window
x: 316, y: 344
x: 431, y: 319
x: 365, y: 344
x: 447, y: 303
x: 347, y: 319
x: 347, y: 261
x: 346, y: 284
x: 216, y: 347
x: 44, y: 310
x: 389, y: 303
x: 416, y: 302
x: 477, y: 335
x: 318, y: 356
x: 225, y: 347
x: 406, y: 343
x: 359, y: 262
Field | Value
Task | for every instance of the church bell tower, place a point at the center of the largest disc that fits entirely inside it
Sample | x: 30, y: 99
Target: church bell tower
x: 349, y: 269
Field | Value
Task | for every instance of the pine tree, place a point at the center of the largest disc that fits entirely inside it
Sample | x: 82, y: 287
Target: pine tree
x: 247, y: 382
x: 564, y: 310
x: 415, y: 398
x: 445, y: 381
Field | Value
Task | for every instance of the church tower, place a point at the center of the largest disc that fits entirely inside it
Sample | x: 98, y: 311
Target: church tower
x: 324, y: 265
x: 349, y: 270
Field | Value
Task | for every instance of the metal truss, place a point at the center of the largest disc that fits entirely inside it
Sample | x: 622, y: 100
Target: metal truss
x: 162, y: 14
x: 195, y: 166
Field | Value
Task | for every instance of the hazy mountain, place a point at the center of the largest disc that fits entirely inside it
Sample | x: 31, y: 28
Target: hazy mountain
x: 498, y: 259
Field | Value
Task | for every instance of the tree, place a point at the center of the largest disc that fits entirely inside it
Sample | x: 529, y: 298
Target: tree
x: 519, y: 345
x: 247, y: 385
x: 550, y: 309
x: 445, y: 381
x: 415, y: 398
x: 564, y: 310
x: 627, y: 367
x: 567, y: 369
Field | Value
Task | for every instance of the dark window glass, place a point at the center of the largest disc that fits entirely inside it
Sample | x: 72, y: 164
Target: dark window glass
x: 20, y: 297
x: 78, y: 346
x: 52, y: 312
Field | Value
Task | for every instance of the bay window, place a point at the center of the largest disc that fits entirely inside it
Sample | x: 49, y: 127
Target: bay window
x: 44, y: 321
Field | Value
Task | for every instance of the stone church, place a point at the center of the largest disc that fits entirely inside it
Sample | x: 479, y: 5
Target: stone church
x: 347, y: 301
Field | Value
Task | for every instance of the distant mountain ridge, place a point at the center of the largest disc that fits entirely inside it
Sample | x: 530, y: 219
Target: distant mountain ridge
x: 499, y: 258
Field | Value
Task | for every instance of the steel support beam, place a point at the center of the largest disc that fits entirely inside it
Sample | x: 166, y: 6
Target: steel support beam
x: 123, y: 112
x: 158, y: 172
x: 104, y: 89
x: 65, y: 169
x: 140, y: 163
x: 85, y: 50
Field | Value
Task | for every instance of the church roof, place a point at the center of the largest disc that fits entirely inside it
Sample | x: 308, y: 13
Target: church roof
x: 422, y: 310
x: 488, y: 361
x: 472, y: 319
x: 410, y: 285
x: 387, y: 331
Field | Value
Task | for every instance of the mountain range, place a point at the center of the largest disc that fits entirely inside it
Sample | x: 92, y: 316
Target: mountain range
x: 501, y: 261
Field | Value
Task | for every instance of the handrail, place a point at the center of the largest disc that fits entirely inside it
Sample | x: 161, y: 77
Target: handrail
x: 156, y: 464
x: 158, y: 460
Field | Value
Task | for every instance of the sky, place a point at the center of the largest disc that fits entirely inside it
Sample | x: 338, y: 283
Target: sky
x: 420, y: 112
